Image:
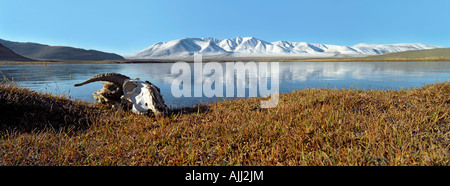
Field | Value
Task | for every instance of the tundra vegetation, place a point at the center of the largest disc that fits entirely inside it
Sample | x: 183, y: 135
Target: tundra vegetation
x: 308, y: 127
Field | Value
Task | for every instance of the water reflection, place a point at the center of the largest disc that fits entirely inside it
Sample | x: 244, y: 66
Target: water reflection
x: 59, y: 78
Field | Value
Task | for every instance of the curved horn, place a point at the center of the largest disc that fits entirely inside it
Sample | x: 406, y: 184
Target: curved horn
x: 111, y: 77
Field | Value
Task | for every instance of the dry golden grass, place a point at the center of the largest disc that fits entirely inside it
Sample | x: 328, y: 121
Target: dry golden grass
x: 308, y: 127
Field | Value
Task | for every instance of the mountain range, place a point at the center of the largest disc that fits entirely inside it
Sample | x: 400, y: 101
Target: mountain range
x: 56, y: 53
x: 209, y: 47
x: 253, y: 47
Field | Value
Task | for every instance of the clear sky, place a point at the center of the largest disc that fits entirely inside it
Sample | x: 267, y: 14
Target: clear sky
x: 128, y: 26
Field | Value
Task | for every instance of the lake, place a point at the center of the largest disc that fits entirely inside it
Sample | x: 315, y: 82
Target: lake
x: 60, y: 78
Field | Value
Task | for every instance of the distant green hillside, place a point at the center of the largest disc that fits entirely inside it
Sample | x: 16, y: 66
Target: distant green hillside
x: 7, y: 54
x: 429, y: 54
x: 57, y: 53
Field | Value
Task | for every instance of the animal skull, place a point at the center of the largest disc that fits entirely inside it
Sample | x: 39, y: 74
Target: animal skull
x: 143, y: 95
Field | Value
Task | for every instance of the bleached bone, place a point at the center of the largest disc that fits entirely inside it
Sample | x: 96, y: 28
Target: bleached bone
x: 143, y: 95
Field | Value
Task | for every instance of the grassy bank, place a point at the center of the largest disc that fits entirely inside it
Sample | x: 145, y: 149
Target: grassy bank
x: 308, y: 127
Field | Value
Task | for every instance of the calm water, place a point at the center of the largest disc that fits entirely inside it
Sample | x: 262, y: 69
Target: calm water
x: 292, y: 76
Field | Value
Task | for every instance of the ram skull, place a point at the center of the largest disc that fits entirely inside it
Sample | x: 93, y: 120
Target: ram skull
x: 120, y: 89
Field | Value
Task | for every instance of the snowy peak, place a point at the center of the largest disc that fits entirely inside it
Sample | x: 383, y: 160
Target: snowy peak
x: 253, y: 47
x: 389, y: 48
x: 180, y: 47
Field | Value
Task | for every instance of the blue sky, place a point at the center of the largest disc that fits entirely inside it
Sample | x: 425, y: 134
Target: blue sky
x: 127, y: 26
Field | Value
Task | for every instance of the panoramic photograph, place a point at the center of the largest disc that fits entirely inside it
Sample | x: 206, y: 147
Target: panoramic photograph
x: 224, y: 83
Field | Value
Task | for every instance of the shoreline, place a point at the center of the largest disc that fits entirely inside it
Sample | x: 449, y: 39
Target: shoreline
x: 362, y: 59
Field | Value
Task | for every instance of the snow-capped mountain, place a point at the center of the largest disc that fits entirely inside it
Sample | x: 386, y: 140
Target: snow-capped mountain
x: 253, y: 47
